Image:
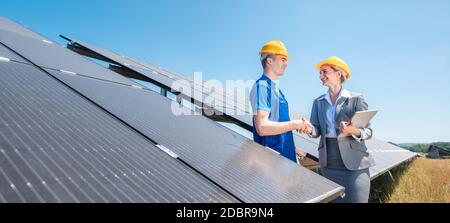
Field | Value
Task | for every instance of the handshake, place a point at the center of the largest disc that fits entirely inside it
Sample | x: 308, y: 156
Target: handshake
x: 303, y: 126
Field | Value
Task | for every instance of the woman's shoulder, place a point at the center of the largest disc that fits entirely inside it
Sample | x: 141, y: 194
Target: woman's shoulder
x: 355, y: 94
x: 320, y: 97
x: 357, y: 97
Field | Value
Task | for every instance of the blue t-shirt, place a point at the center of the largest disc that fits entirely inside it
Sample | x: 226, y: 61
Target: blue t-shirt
x: 266, y: 95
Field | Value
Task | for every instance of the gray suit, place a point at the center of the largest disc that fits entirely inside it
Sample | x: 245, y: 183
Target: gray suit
x: 354, y: 154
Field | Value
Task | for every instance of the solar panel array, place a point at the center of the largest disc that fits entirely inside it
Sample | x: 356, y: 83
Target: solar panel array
x: 58, y: 147
x: 73, y: 131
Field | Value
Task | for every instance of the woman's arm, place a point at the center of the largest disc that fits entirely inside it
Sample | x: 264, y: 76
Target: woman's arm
x: 359, y: 134
x: 366, y: 133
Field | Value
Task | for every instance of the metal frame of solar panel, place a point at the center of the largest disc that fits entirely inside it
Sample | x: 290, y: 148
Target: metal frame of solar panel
x: 238, y: 165
x: 56, y: 146
x: 378, y: 148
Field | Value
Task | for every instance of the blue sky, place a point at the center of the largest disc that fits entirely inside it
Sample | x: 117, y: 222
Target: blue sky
x: 398, y: 51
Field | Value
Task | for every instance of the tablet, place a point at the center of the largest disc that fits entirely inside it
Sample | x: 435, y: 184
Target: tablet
x: 362, y: 118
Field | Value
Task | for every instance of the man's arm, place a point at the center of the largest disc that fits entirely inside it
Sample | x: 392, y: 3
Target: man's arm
x: 265, y: 127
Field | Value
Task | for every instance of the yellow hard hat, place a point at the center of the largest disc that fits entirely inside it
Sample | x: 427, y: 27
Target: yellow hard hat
x: 274, y: 47
x: 335, y: 61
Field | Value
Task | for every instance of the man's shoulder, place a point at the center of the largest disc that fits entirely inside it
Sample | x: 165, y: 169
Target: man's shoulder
x: 261, y: 84
x: 262, y: 81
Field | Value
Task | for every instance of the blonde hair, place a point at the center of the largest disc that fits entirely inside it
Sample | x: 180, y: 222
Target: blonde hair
x: 343, y: 79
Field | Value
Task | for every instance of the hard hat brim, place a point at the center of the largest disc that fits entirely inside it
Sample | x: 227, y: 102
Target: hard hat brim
x: 321, y: 64
x: 286, y: 55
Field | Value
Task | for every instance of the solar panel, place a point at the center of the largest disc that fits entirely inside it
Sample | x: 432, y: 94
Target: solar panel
x: 56, y: 146
x: 8, y: 54
x: 164, y: 77
x: 249, y: 171
x: 236, y: 104
x: 12, y: 26
x: 57, y: 57
x: 386, y: 156
x: 111, y: 55
x: 165, y: 81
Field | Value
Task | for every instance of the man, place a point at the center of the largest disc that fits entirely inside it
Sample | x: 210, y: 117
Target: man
x: 272, y: 126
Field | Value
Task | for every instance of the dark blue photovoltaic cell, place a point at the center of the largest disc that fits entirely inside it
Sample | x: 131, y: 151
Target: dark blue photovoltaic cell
x: 56, y: 146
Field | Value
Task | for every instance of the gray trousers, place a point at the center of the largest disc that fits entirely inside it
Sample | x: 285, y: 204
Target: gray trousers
x: 356, y: 183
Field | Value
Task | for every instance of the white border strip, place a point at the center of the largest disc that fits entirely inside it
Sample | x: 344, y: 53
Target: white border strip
x: 4, y: 59
x: 325, y: 196
x: 168, y: 151
x: 68, y: 72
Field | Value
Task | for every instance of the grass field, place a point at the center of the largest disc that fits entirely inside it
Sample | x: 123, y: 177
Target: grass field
x: 420, y: 180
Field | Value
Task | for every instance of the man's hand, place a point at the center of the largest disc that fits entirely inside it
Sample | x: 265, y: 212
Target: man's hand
x: 309, y: 128
x: 305, y: 127
x: 297, y: 123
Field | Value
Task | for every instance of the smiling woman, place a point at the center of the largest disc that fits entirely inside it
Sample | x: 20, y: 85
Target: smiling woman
x: 343, y: 155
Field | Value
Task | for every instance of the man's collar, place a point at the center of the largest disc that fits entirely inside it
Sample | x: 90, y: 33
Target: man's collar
x: 265, y: 77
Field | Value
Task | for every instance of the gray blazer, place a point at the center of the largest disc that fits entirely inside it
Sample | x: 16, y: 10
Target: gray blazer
x: 354, y: 154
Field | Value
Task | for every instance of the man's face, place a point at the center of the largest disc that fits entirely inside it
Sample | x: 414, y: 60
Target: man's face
x: 278, y: 64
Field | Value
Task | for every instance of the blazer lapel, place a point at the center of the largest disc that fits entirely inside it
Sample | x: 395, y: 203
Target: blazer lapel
x: 340, y: 105
x: 322, y: 106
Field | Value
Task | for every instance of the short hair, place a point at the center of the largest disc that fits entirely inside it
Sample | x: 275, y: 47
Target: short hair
x: 264, y: 58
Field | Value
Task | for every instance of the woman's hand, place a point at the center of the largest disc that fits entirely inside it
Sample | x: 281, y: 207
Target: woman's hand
x: 349, y: 129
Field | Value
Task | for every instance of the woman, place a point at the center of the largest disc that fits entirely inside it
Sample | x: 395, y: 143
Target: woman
x: 343, y: 154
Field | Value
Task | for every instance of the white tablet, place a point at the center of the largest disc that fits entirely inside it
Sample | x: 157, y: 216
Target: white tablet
x: 362, y: 118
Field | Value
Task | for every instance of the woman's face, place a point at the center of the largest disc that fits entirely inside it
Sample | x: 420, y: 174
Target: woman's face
x: 329, y: 76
